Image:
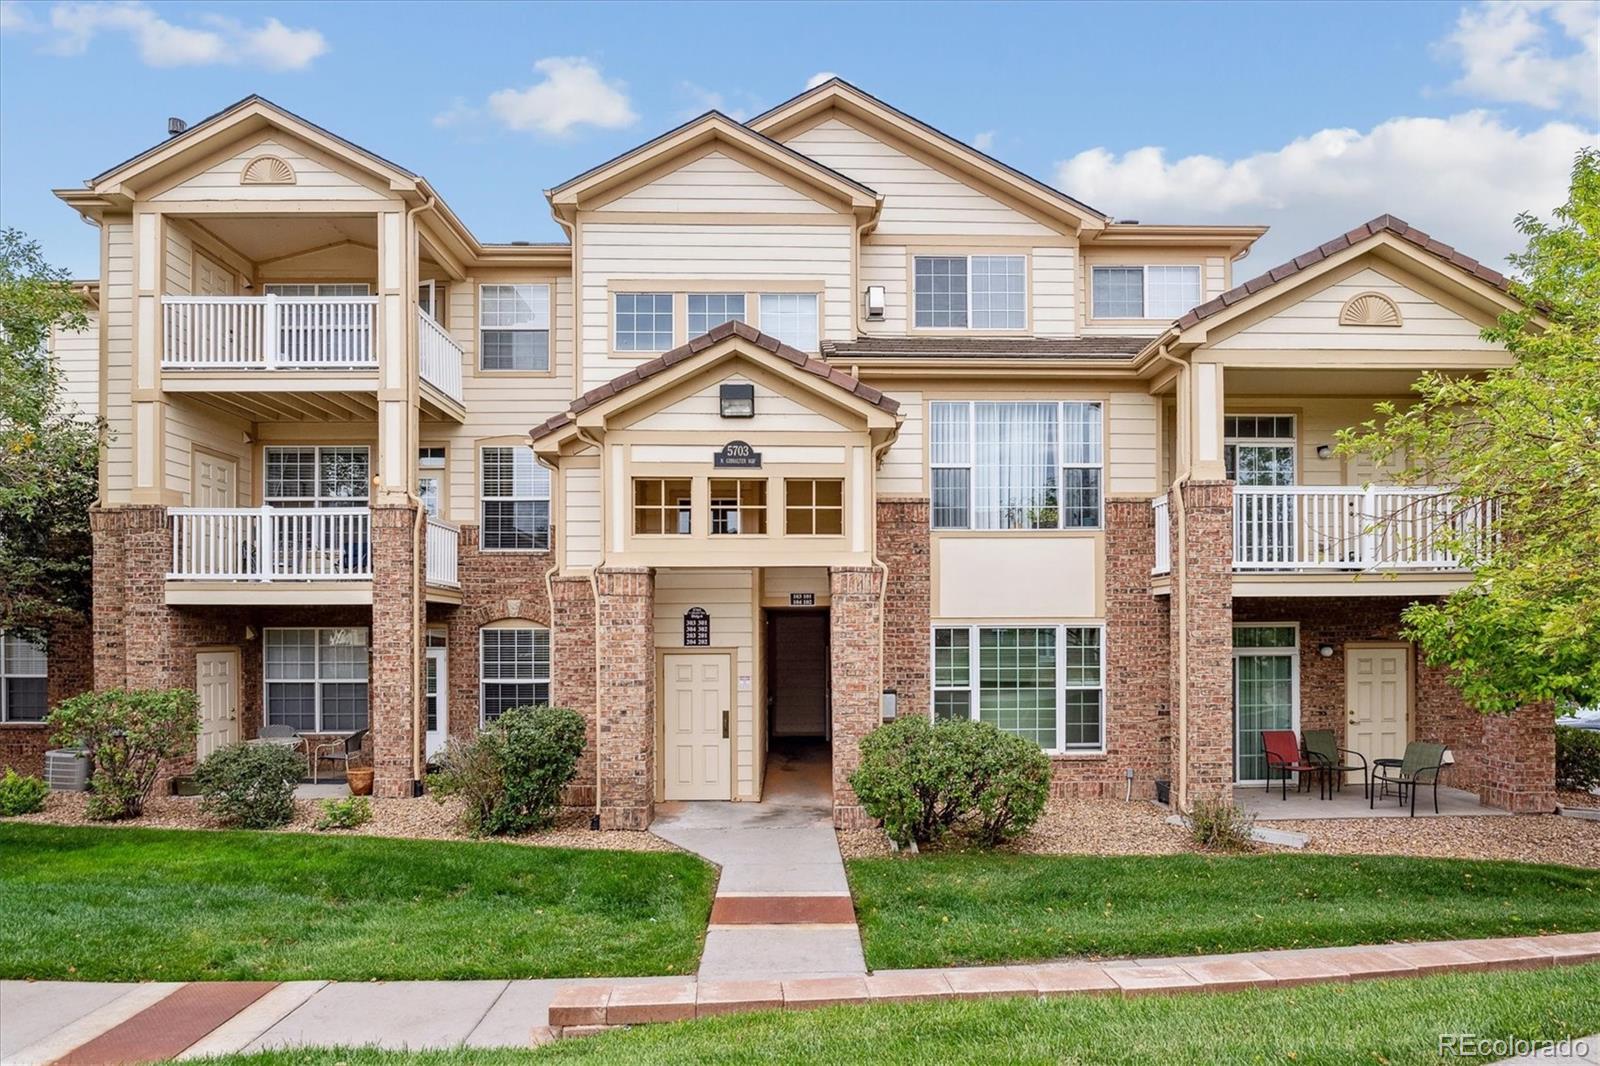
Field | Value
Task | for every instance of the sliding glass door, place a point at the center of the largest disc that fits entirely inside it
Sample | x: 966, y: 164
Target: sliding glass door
x: 1266, y: 693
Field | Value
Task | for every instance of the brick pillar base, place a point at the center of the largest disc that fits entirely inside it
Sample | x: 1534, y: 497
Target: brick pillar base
x: 397, y: 625
x: 1202, y: 637
x: 625, y: 694
x: 1518, y: 761
x: 855, y: 645
x: 572, y: 652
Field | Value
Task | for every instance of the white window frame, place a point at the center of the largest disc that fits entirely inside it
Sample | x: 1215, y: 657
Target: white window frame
x: 533, y: 678
x: 316, y: 499
x: 690, y: 312
x: 319, y: 289
x: 316, y: 680
x: 973, y: 686
x: 1293, y: 654
x: 7, y: 674
x: 1292, y: 441
x: 535, y: 497
x: 969, y: 327
x: 655, y: 346
x: 971, y: 466
x: 813, y: 338
x: 538, y: 298
x: 1144, y: 290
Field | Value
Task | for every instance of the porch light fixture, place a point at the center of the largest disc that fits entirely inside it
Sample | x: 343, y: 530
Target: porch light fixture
x: 738, y: 401
x: 1325, y: 650
x: 1324, y: 452
x: 888, y: 704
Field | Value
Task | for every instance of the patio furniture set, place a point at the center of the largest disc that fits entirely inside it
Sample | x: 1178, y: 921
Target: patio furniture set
x: 336, y: 749
x: 1317, y: 757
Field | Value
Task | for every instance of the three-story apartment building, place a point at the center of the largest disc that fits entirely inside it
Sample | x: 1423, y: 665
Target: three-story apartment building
x: 814, y: 419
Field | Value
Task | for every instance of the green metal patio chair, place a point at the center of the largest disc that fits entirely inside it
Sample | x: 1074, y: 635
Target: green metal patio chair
x: 1422, y: 765
x: 1323, y: 747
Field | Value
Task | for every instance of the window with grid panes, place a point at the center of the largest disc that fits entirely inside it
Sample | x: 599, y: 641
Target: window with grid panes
x: 977, y: 292
x: 1154, y: 291
x: 644, y: 321
x: 514, y: 327
x: 662, y: 506
x: 738, y: 506
x: 513, y: 669
x: 1045, y: 683
x: 708, y: 310
x: 791, y: 317
x: 1016, y: 464
x: 813, y: 507
x: 315, y: 680
x: 515, y: 501
x: 24, y: 680
x: 316, y: 476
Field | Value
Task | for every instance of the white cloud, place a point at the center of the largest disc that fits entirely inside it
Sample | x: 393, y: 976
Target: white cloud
x: 16, y: 18
x: 164, y: 44
x: 459, y: 113
x: 819, y: 77
x: 1462, y: 179
x: 1541, y: 53
x: 984, y: 141
x: 738, y: 105
x: 573, y: 93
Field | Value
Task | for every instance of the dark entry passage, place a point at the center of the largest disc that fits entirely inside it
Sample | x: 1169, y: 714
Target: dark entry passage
x: 797, y: 673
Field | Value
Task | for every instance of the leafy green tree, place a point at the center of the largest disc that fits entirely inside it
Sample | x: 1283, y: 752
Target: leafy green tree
x: 49, y: 453
x: 1526, y: 438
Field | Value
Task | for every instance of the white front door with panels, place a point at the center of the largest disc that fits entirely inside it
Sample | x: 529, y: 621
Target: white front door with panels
x: 215, y: 481
x: 217, y: 684
x: 695, y: 712
x: 1377, y: 694
x: 437, y: 695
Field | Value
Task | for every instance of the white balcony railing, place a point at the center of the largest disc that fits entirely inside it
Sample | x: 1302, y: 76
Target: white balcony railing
x: 442, y: 550
x: 439, y: 356
x: 252, y: 332
x: 271, y: 543
x: 1348, y: 528
x: 1163, y: 536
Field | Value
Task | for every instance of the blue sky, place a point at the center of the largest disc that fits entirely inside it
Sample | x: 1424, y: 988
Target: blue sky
x: 1310, y: 117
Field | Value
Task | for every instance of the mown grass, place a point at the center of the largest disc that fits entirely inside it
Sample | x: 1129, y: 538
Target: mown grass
x: 974, y: 907
x: 140, y: 904
x: 1395, y: 1023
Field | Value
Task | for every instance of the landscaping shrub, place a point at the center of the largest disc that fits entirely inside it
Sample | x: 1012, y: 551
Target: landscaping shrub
x: 1217, y: 825
x: 344, y: 813
x: 1007, y: 779
x: 249, y: 785
x: 511, y: 774
x: 126, y: 733
x: 21, y: 794
x: 1577, y: 758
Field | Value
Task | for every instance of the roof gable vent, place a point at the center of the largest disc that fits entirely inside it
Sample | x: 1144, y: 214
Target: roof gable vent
x: 176, y: 126
x: 1369, y: 309
x: 267, y: 170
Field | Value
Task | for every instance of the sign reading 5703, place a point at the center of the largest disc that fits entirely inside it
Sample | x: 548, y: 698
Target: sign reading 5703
x: 737, y: 453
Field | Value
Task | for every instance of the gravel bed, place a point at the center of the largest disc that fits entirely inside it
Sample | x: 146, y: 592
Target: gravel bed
x: 1571, y: 797
x: 1068, y: 827
x: 421, y: 819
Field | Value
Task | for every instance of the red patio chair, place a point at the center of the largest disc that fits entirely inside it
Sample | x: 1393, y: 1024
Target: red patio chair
x: 1284, y: 754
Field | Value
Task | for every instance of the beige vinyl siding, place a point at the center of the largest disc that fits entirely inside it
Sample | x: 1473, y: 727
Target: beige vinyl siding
x: 313, y: 179
x: 1052, y: 279
x: 77, y: 357
x: 1313, y: 323
x: 885, y: 264
x: 191, y: 424
x: 1214, y: 277
x: 729, y: 597
x: 917, y: 198
x: 179, y: 263
x: 717, y: 183
x: 582, y: 504
x: 1131, y: 419
x: 775, y: 413
x: 901, y: 473
x: 117, y: 294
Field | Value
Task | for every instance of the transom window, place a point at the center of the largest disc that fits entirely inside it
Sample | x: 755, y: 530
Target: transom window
x: 708, y: 310
x: 813, y: 507
x: 1155, y: 291
x: 1046, y: 683
x: 1016, y: 465
x: 514, y: 327
x: 970, y: 292
x: 317, y: 476
x: 644, y: 321
x: 513, y: 669
x: 23, y: 680
x: 791, y: 317
x: 738, y: 506
x: 515, y: 500
x: 1259, y: 449
x: 319, y: 289
x: 662, y: 505
x: 316, y: 679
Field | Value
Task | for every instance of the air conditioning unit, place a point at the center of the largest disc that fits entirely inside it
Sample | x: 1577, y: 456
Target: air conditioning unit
x: 66, y: 770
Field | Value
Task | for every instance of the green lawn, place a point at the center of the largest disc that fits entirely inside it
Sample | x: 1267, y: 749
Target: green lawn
x: 1377, y: 1022
x: 950, y: 909
x: 145, y: 904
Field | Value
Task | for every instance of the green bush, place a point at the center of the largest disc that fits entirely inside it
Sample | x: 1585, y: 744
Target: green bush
x: 249, y: 785
x: 1577, y: 758
x: 21, y: 794
x: 923, y: 780
x: 1217, y: 825
x: 344, y: 813
x: 511, y: 774
x: 126, y: 734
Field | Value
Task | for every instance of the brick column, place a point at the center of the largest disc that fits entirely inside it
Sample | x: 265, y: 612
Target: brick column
x: 1518, y: 761
x: 625, y: 693
x: 856, y: 669
x: 1202, y: 640
x: 573, y: 684
x: 148, y: 645
x: 904, y: 544
x: 398, y: 624
x: 1137, y: 642
x: 110, y: 650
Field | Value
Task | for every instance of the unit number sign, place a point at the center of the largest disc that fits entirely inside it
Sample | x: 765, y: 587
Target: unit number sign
x: 696, y: 628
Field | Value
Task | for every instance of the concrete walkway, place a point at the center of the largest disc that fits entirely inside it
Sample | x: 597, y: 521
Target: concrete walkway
x: 783, y: 903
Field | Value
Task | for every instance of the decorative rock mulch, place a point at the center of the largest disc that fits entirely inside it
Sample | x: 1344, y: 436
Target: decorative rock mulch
x: 421, y: 819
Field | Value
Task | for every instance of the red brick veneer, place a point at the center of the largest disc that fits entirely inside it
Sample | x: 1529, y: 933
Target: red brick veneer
x: 625, y: 692
x: 904, y: 545
x: 855, y: 644
x: 1202, y: 627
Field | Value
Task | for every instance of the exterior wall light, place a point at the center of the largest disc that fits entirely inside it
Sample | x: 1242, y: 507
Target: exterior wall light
x: 888, y: 704
x: 1324, y: 452
x: 1325, y: 650
x: 738, y: 401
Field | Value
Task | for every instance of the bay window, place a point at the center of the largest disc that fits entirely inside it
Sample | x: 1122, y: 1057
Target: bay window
x: 316, y: 679
x: 1045, y: 683
x: 1016, y: 464
x: 513, y: 669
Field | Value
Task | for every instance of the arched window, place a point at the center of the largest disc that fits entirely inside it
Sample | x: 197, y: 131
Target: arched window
x: 513, y: 667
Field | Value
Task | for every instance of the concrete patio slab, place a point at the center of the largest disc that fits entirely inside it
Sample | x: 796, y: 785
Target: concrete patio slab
x: 398, y: 1016
x: 1309, y: 806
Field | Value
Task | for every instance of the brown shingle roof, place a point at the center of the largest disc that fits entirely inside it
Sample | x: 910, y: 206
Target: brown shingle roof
x: 1382, y: 224
x: 643, y: 371
x: 1120, y: 348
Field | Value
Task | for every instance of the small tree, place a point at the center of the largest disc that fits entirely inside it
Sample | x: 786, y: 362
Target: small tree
x: 126, y: 734
x: 1526, y: 439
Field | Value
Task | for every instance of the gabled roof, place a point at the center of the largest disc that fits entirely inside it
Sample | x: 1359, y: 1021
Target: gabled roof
x: 840, y: 94
x: 832, y: 377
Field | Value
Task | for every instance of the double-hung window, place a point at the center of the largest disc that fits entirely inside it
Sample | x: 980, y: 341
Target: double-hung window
x: 644, y: 321
x: 708, y: 310
x: 514, y: 327
x: 1045, y: 683
x: 1259, y: 449
x: 970, y: 292
x: 23, y: 680
x: 316, y: 679
x: 312, y: 476
x: 791, y: 317
x: 1157, y: 291
x: 513, y: 669
x: 1016, y: 464
x: 515, y: 496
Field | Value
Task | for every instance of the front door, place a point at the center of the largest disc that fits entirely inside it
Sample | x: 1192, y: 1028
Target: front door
x: 437, y: 695
x: 215, y: 481
x: 696, y: 706
x: 217, y: 684
x: 1377, y: 687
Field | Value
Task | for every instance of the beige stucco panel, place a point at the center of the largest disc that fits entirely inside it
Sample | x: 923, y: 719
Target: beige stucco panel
x: 1041, y: 576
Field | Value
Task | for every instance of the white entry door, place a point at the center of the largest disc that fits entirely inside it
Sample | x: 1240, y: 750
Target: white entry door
x: 1377, y: 687
x: 437, y: 695
x: 215, y: 481
x: 695, y: 710
x: 217, y: 684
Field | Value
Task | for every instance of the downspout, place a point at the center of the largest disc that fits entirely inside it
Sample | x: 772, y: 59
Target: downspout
x: 594, y: 593
x: 418, y: 591
x: 1178, y: 594
x: 882, y: 567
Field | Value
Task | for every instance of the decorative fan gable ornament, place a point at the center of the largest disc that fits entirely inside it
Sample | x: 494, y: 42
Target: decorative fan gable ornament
x: 267, y: 170
x: 1369, y: 309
